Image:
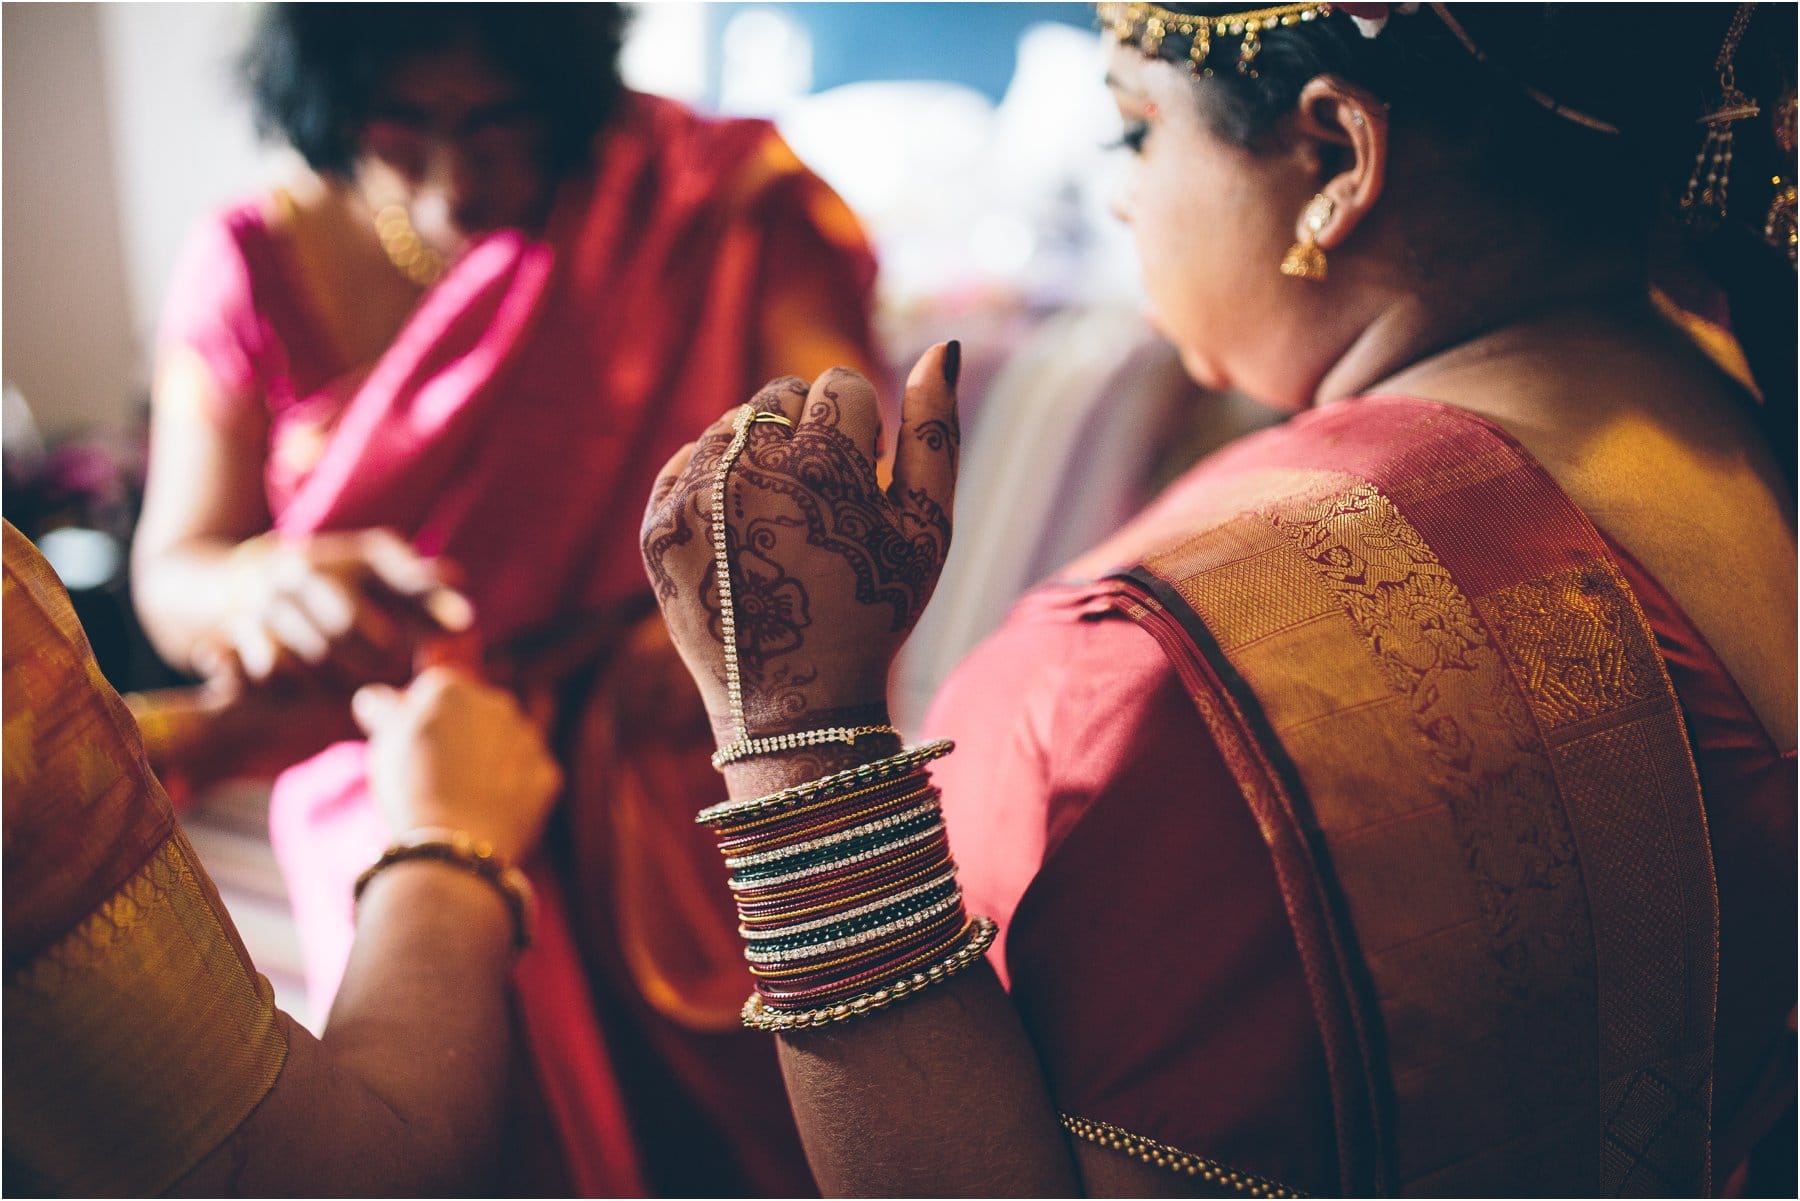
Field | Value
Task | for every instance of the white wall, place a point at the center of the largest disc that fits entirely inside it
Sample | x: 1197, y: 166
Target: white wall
x: 65, y: 305
x: 182, y: 142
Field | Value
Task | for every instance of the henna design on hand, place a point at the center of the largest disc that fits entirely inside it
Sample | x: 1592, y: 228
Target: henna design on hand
x: 771, y: 607
x: 895, y: 551
x: 659, y: 539
x: 828, y: 570
x: 937, y: 435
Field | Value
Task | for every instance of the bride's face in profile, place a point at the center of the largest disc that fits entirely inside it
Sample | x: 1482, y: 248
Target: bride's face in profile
x: 1211, y: 220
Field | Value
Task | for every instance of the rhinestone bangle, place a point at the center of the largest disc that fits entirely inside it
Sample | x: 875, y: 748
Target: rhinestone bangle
x: 759, y: 1016
x: 804, y: 953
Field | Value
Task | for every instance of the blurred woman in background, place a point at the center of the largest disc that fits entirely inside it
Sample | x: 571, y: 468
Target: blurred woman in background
x: 399, y: 403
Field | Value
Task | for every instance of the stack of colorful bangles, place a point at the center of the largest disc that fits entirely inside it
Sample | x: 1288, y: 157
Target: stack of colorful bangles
x: 846, y: 892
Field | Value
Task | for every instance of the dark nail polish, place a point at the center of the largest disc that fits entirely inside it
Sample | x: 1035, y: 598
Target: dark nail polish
x: 952, y: 362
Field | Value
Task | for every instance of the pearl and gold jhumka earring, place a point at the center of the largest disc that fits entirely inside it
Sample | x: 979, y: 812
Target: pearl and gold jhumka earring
x: 1304, y: 259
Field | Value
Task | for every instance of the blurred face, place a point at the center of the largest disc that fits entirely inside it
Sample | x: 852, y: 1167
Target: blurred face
x: 1212, y: 221
x: 451, y: 140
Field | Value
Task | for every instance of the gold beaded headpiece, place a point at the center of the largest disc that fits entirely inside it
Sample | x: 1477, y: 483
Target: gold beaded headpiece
x: 1155, y: 30
x: 1149, y: 27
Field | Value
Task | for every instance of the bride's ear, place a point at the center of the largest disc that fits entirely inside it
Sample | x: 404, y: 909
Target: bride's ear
x: 1348, y: 129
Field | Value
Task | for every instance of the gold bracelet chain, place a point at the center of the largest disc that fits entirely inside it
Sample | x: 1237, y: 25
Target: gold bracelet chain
x: 742, y: 746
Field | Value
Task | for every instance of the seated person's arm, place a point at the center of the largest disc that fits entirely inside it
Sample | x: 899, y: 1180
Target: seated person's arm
x: 203, y: 497
x: 403, y: 1093
x: 143, y: 1051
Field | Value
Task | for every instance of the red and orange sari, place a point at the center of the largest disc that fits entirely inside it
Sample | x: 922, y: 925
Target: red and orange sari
x: 1385, y: 828
x: 514, y: 426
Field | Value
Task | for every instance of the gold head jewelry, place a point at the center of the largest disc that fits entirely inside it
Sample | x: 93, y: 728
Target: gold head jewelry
x: 1191, y: 38
x: 1158, y: 31
x: 1304, y: 259
x: 405, y: 249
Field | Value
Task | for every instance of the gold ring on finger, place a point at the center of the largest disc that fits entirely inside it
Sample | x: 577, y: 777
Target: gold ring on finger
x: 774, y: 418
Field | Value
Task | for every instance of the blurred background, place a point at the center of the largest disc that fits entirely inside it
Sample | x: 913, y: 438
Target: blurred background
x: 971, y: 139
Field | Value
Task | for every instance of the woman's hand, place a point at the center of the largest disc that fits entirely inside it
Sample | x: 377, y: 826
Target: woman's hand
x: 452, y: 751
x: 829, y: 571
x: 341, y: 608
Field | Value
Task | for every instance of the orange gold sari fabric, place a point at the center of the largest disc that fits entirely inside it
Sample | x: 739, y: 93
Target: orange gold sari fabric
x: 138, y: 1035
x: 1450, y: 720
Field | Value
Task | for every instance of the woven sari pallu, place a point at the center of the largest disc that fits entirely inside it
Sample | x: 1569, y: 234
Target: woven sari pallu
x: 1448, y: 714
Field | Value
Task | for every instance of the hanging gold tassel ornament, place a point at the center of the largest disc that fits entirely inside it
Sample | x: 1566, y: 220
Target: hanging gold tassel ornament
x: 1704, y: 201
x: 1304, y: 259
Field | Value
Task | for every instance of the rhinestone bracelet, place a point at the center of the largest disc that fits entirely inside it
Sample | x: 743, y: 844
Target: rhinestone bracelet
x: 746, y: 748
x: 851, y: 834
x: 939, y: 881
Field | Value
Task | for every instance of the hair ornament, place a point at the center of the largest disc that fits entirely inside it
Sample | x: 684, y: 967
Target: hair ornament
x: 1536, y: 95
x: 1189, y: 38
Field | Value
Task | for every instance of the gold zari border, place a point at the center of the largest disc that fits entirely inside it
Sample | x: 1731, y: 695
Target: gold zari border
x: 138, y: 1042
x: 1161, y: 1155
x: 1499, y: 783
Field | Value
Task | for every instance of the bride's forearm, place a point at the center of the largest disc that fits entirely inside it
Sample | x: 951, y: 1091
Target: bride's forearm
x: 939, y: 1095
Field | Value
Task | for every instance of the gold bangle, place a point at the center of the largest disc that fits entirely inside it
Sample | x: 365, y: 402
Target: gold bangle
x: 460, y: 849
x: 819, y: 804
x: 726, y: 815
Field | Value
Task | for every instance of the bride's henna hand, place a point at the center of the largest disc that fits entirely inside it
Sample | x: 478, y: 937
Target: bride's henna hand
x: 829, y: 571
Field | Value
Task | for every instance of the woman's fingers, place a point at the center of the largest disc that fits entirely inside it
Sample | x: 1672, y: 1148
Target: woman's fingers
x: 666, y: 479
x: 362, y: 637
x: 783, y: 397
x: 842, y: 400
x: 930, y: 440
x: 393, y: 561
x: 374, y: 705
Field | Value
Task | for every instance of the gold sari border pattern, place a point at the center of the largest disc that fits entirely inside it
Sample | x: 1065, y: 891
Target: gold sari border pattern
x: 138, y: 1042
x: 1162, y: 1155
